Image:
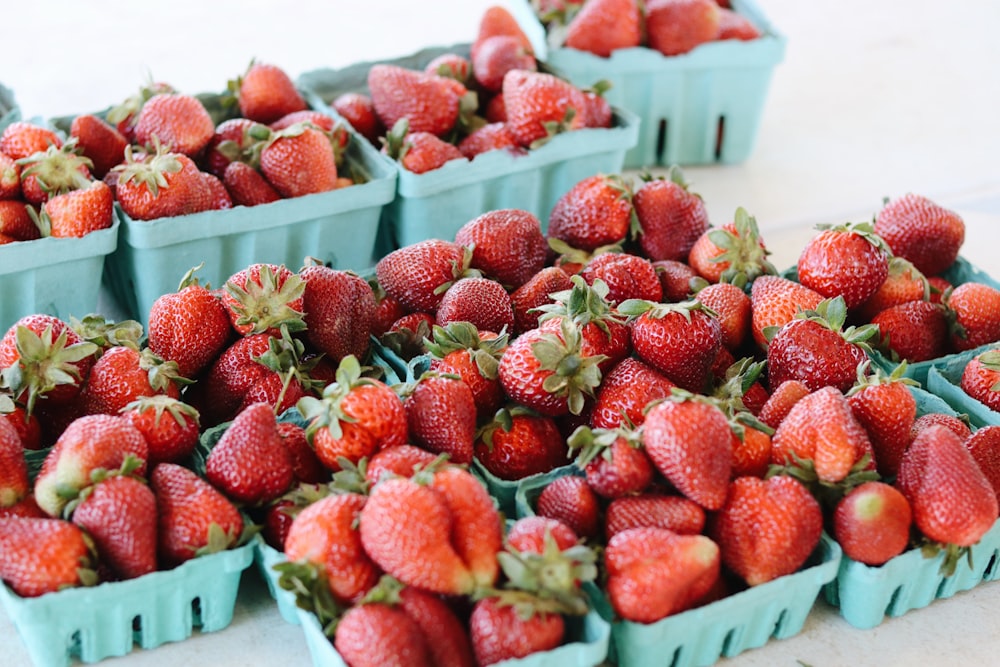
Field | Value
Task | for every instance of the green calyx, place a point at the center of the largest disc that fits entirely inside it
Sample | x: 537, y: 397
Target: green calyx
x: 746, y: 256
x: 832, y: 314
x: 133, y: 104
x: 310, y: 585
x: 504, y: 420
x: 394, y: 142
x: 554, y: 127
x: 572, y: 375
x: 327, y: 411
x: 589, y: 443
x: 284, y: 356
x: 151, y: 171
x: 162, y: 404
x: 58, y: 170
x: 458, y: 336
x: 264, y: 304
x: 739, y: 377
x: 871, y: 376
x: 865, y: 230
x: 105, y: 333
x: 635, y: 308
x: 43, y: 364
x: 828, y: 494
x: 952, y: 555
x: 583, y: 304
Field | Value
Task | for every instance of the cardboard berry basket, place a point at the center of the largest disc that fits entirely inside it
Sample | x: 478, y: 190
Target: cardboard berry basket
x: 437, y: 203
x: 56, y: 276
x: 586, y: 645
x: 701, y: 107
x: 111, y: 619
x: 945, y: 380
x: 10, y: 112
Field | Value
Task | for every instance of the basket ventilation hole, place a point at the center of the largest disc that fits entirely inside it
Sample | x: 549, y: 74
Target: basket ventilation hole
x: 720, y: 136
x: 196, y: 610
x: 137, y: 625
x: 661, y: 140
x: 74, y: 644
x: 677, y: 658
x: 894, y: 600
x: 991, y: 566
x: 780, y: 623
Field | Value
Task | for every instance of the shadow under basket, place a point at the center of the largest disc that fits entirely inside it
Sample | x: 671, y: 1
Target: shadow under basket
x: 94, y: 623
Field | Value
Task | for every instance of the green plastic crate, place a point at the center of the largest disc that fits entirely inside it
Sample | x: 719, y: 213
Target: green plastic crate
x: 701, y: 107
x: 91, y: 624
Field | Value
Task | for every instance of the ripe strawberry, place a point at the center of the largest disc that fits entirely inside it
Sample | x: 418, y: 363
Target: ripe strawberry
x: 653, y: 573
x: 536, y: 292
x: 299, y: 160
x: 26, y: 508
x: 23, y: 139
x: 923, y: 232
x: 418, y: 152
x: 981, y: 379
x: 872, y: 523
x: 123, y: 374
x: 266, y: 93
x: 430, y: 102
x: 441, y: 416
x: 783, y: 397
x: 489, y: 137
x: 355, y: 417
x: 99, y: 141
x: 518, y: 443
x: 733, y: 307
x: 671, y: 217
x: 14, y: 482
x: 180, y: 123
x: 884, y: 406
x: 232, y: 142
x: 482, y: 302
x: 679, y: 340
x: 497, y: 20
x: 10, y: 178
x: 627, y: 277
x: 595, y: 212
x: 603, y: 26
x: 507, y: 245
x: 497, y: 55
x: 55, y: 171
x: 218, y: 196
x: 417, y: 275
x: 194, y: 517
x: 653, y: 510
x: 321, y: 120
x: 913, y: 331
x: 977, y: 315
x: 376, y: 634
x: 613, y: 460
x: 570, y: 499
x: 847, y: 260
x: 540, y: 105
x: 734, y: 253
x: 190, y: 327
x: 263, y: 297
x: 117, y: 513
x: 77, y: 213
x: 675, y: 279
x: 674, y: 27
x: 247, y: 186
x: 625, y: 392
x: 397, y: 461
x: 496, y: 112
x: 169, y: 426
x: 451, y: 65
x: 88, y: 444
x: 359, y: 110
x: 499, y: 632
x: 736, y: 26
x: 447, y: 640
x: 984, y: 445
x: 815, y: 349
x: 16, y: 222
x: 459, y: 349
x: 39, y: 556
x: 160, y: 185
x: 903, y: 284
x: 530, y: 533
x: 774, y: 301
x: 339, y: 309
x: 957, y: 424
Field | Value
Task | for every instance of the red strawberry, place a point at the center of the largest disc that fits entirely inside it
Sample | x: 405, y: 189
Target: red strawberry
x: 39, y: 556
x: 218, y: 196
x: 675, y: 279
x: 452, y: 66
x: 603, y: 26
x: 913, y: 331
x: 194, y: 517
x: 299, y: 160
x: 957, y: 424
x: 161, y: 185
x: 447, y: 640
x: 10, y: 178
x: 482, y: 302
x: 981, y: 379
x: 123, y: 116
x: 653, y: 573
x: 774, y: 301
x: 489, y: 137
x: 55, y: 171
x: 846, y: 260
x: 180, y: 122
x: 339, y: 309
x: 767, y: 528
x: 78, y: 213
x: 14, y: 482
x: 984, y: 445
x: 518, y: 443
x: 736, y: 26
x: 613, y: 460
x: 626, y: 391
x: 500, y: 633
x: 418, y: 274
x: 99, y: 141
x: 977, y: 315
x: 123, y: 374
x: 118, y: 514
x: 884, y: 406
x: 627, y: 277
x: 570, y: 499
x: 232, y: 142
x: 247, y: 186
x: 530, y: 533
x: 497, y: 55
x: 923, y: 232
x: 595, y: 212
x: 16, y: 222
x: 441, y: 416
x: 87, y: 445
x: 23, y: 139
x: 387, y: 309
x: 169, y: 426
x: 266, y: 93
x: 653, y: 510
x: 537, y: 292
x: 671, y: 218
x: 872, y: 523
x: 358, y: 110
x: 321, y: 120
x: 497, y: 20
x: 674, y: 27
x: 751, y: 452
x: 397, y: 461
x: 903, y: 284
x: 429, y: 102
x: 780, y: 402
x: 540, y: 105
x: 679, y: 340
x: 263, y: 297
x: 419, y: 152
x: 733, y: 307
x: 373, y: 635
x: 190, y: 327
x: 507, y: 245
x: 461, y: 350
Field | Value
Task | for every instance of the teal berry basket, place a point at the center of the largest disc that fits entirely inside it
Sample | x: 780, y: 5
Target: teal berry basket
x: 586, y: 646
x: 945, y: 380
x: 265, y: 558
x: 701, y: 107
x: 437, y: 203
x: 508, y: 493
x: 55, y: 276
x: 10, y: 112
x: 94, y: 623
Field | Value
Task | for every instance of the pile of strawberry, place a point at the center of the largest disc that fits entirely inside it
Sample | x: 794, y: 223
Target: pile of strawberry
x: 671, y: 27
x: 460, y: 106
x: 160, y: 154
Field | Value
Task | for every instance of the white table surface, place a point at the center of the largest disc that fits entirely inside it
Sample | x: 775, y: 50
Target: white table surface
x: 873, y: 100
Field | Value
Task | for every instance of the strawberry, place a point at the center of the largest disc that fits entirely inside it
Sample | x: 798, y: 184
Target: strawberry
x: 406, y: 335
x: 884, y: 406
x: 359, y: 110
x: 735, y: 253
x: 981, y: 379
x: 507, y: 245
x: 306, y: 466
x: 653, y: 573
x: 451, y: 65
x: 675, y: 279
x: 189, y: 327
x: 953, y: 502
x: 180, y: 122
x: 10, y: 178
x: 613, y: 460
x: 14, y: 482
x: 163, y: 184
x: 603, y: 26
x: 736, y: 26
x: 247, y: 186
x: 418, y: 152
x: 77, y: 213
x: 872, y: 523
x: 355, y: 417
x: 231, y: 142
x: 984, y: 445
x: 923, y: 232
x: 39, y: 556
x: 957, y: 424
x: 339, y: 309
x: 23, y: 139
x: 429, y: 102
x: 540, y: 105
x: 263, y: 297
x: 497, y: 20
x: 977, y: 315
x: 518, y: 443
x: 497, y: 55
x: 373, y: 635
x: 733, y: 308
x: 482, y: 302
x: 397, y: 461
x: 903, y: 284
x: 16, y: 222
x: 774, y: 301
x: 461, y: 350
x: 530, y: 533
x: 913, y: 331
x: 26, y: 508
x: 598, y: 110
x: 496, y: 112
x: 117, y: 513
x: 570, y: 499
x: 124, y: 374
x: 417, y: 275
x: 627, y: 277
x: 595, y: 212
x: 445, y: 635
x: 218, y: 195
x: 751, y: 451
x: 536, y: 292
x: 299, y: 160
x: 266, y: 93
x: 124, y: 115
x: 679, y: 340
x: 169, y: 426
x: 767, y: 528
x: 500, y: 632
x: 55, y: 171
x: 489, y: 137
x: 441, y: 416
x: 847, y: 260
x: 88, y: 444
x: 194, y: 517
x: 99, y: 141
x: 654, y: 510
x: 815, y: 349
x: 626, y: 391
x: 671, y: 217
x: 783, y: 397
x: 320, y: 120
x: 674, y: 27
